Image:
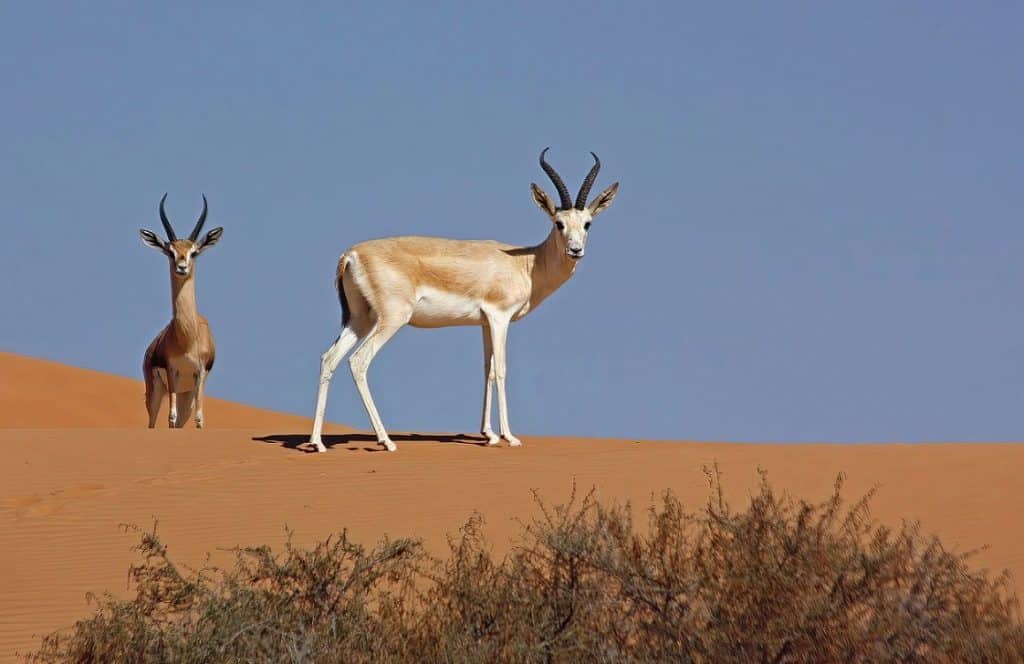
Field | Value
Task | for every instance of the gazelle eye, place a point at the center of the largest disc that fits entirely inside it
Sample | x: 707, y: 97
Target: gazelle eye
x: 559, y: 225
x: 586, y: 226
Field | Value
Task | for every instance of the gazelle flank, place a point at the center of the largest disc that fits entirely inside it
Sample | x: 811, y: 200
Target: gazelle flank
x: 181, y: 356
x: 388, y: 283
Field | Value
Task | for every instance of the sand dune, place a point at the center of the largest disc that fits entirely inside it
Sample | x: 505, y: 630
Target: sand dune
x: 39, y: 394
x: 72, y: 473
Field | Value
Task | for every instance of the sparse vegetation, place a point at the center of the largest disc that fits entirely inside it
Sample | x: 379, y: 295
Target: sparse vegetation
x: 782, y: 580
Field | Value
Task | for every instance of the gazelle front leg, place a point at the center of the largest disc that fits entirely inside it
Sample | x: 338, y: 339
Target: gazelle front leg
x: 485, y: 422
x: 499, y: 334
x: 172, y: 398
x: 156, y: 388
x: 197, y: 396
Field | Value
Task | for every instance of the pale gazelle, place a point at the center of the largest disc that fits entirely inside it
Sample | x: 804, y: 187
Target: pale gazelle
x: 180, y: 357
x: 434, y: 282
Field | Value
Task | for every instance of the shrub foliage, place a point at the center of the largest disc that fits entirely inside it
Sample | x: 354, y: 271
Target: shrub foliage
x: 781, y: 581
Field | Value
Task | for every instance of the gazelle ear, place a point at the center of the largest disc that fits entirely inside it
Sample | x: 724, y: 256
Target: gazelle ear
x: 211, y: 238
x: 542, y: 200
x: 152, y: 239
x: 603, y: 200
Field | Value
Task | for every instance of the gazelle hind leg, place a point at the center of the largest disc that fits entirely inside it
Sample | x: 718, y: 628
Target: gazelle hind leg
x: 499, y: 335
x: 360, y: 364
x: 485, y: 420
x: 328, y: 364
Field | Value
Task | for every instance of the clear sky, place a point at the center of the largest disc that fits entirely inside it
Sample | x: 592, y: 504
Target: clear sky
x: 818, y: 236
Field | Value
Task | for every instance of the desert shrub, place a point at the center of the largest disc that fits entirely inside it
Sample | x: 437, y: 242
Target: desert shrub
x: 782, y: 580
x: 303, y: 605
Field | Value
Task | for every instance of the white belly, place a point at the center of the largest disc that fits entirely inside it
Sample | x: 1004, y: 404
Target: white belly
x: 436, y: 308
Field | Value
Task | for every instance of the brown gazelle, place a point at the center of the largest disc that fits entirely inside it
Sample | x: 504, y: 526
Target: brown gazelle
x: 181, y: 356
x: 388, y: 283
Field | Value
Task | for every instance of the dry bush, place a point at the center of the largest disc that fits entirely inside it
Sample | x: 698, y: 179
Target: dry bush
x: 303, y: 605
x: 781, y: 581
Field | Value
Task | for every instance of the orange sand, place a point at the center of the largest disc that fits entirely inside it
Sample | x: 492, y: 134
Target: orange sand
x: 78, y: 462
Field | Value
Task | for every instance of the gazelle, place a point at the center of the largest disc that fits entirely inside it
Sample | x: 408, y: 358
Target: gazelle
x: 182, y: 354
x: 434, y: 282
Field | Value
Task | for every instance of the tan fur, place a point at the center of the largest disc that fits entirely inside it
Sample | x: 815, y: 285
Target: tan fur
x: 500, y: 276
x: 431, y: 282
x: 179, y: 358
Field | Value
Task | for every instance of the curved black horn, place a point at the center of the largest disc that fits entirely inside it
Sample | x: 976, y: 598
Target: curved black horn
x: 199, y: 224
x: 563, y: 191
x: 588, y: 182
x: 163, y: 220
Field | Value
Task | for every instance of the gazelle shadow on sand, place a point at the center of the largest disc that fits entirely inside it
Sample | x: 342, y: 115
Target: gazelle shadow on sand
x: 300, y: 442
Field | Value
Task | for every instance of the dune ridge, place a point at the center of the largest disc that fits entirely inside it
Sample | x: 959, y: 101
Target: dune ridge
x: 72, y: 473
x: 40, y: 394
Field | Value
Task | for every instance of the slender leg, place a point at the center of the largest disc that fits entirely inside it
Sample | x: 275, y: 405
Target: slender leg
x: 155, y: 385
x: 485, y: 422
x: 172, y: 398
x: 360, y: 363
x: 186, y: 400
x: 499, y: 334
x: 328, y: 363
x: 197, y: 396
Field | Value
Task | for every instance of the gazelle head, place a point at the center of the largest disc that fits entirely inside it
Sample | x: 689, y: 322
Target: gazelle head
x: 181, y: 253
x: 572, y: 220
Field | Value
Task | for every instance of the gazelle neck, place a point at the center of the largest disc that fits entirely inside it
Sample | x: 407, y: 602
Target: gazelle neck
x: 183, y: 304
x: 551, y: 268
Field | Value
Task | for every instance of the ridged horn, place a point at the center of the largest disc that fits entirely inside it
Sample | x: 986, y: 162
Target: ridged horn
x: 167, y: 224
x: 199, y: 224
x: 563, y: 191
x: 588, y: 182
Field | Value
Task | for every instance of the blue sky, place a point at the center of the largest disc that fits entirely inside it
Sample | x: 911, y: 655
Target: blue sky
x: 818, y: 234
